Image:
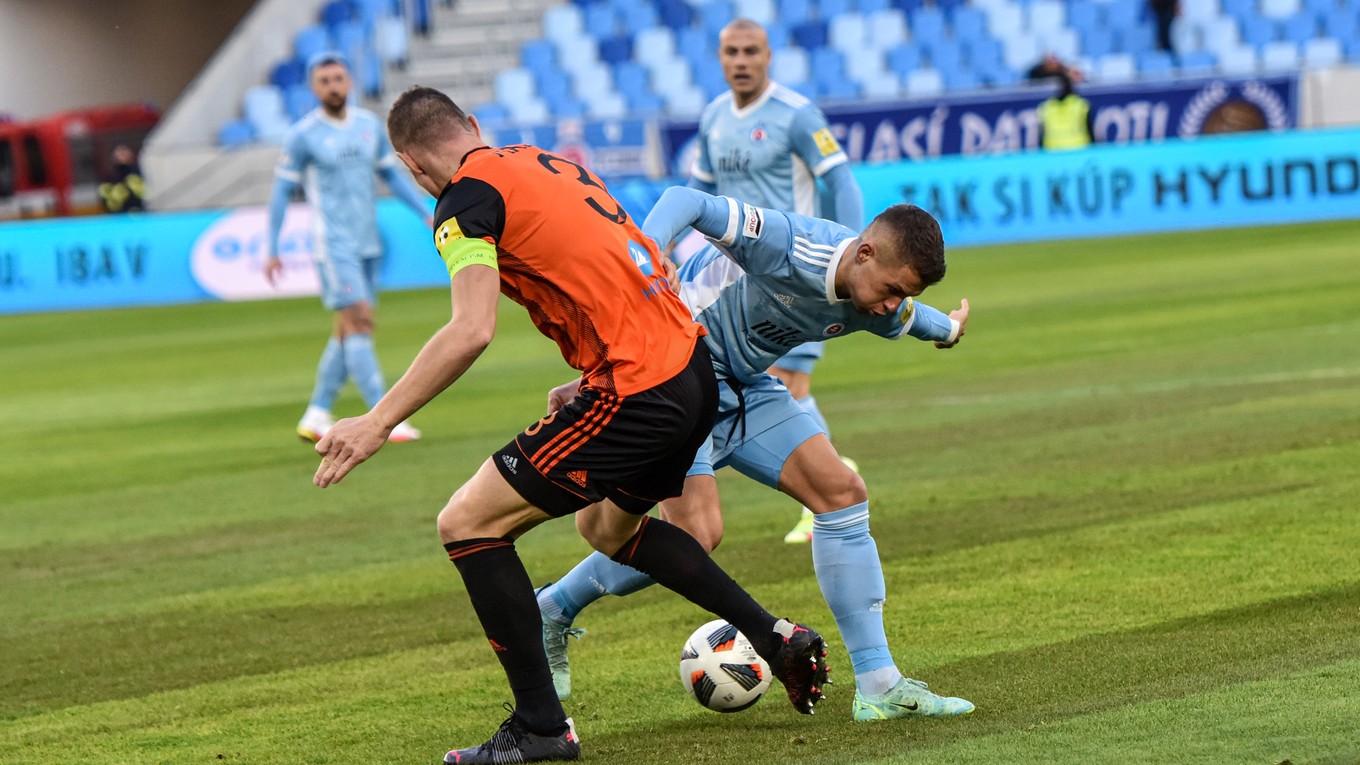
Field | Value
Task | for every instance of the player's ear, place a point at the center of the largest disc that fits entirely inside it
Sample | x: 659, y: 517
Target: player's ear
x: 410, y: 163
x: 476, y: 126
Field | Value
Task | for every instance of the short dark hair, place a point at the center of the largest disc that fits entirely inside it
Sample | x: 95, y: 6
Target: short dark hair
x: 421, y: 116
x: 916, y: 237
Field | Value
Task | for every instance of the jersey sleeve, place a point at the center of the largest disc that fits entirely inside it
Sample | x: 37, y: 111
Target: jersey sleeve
x: 916, y: 320
x: 468, y: 224
x: 702, y: 169
x: 811, y: 139
x: 384, y: 157
x: 293, y: 157
x: 758, y: 239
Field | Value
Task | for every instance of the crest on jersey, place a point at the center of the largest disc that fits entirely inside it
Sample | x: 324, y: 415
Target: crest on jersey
x: 833, y: 329
x: 758, y: 135
x: 826, y: 143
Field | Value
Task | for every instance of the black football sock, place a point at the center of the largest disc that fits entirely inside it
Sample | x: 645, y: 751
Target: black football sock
x: 679, y: 563
x: 503, y: 598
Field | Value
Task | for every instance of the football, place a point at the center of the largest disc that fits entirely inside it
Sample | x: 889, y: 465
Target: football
x: 721, y: 670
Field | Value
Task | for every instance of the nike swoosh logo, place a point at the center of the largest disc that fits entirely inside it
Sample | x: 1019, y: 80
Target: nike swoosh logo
x: 912, y: 707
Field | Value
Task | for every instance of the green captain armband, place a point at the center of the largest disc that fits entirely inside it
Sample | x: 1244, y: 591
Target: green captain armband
x: 459, y: 252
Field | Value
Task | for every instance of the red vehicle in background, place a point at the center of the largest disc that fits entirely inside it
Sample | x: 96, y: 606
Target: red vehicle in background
x: 53, y: 166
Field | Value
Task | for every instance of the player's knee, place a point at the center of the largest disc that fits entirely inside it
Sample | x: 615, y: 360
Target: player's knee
x: 450, y: 524
x: 846, y: 489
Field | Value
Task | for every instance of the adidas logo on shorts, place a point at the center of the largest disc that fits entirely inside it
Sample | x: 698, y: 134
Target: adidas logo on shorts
x: 511, y: 463
x: 577, y: 477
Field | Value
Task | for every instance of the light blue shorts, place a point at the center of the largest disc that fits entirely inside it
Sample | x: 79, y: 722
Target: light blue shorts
x: 803, y: 358
x: 346, y: 281
x: 756, y: 431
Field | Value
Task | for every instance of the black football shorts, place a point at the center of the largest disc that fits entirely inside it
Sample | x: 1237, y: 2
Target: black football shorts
x: 633, y: 450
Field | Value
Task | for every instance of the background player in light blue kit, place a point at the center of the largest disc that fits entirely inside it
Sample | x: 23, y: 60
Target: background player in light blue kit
x: 781, y: 279
x: 333, y: 153
x: 767, y: 145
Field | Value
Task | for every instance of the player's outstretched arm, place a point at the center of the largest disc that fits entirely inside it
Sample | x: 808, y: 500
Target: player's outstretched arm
x: 445, y: 357
x: 959, y: 319
x: 401, y: 185
x: 681, y: 207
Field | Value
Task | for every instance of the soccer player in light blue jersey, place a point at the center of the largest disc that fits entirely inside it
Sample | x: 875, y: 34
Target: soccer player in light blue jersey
x: 333, y: 153
x: 774, y: 280
x: 767, y: 145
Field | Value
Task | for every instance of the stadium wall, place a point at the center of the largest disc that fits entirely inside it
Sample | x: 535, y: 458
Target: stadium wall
x: 1208, y: 182
x: 80, y: 53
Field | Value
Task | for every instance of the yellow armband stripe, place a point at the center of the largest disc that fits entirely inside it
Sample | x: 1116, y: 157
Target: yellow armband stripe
x: 459, y: 252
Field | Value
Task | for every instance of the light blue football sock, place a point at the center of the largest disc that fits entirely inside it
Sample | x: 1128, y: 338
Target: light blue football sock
x: 362, y: 362
x: 845, y: 558
x: 809, y: 404
x: 592, y: 579
x: 330, y: 376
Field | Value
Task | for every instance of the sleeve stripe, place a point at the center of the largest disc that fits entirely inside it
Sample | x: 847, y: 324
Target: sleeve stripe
x: 288, y: 175
x: 729, y: 236
x: 822, y: 167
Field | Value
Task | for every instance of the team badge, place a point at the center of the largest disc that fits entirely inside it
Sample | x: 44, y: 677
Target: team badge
x: 833, y: 329
x: 826, y: 143
x: 907, y: 310
x: 447, y: 232
x: 758, y: 135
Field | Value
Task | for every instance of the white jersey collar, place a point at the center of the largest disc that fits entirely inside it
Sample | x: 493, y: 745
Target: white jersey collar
x: 329, y: 120
x: 831, y: 269
x: 756, y: 104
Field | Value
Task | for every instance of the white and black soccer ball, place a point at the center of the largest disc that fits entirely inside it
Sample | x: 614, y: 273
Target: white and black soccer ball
x: 721, y: 670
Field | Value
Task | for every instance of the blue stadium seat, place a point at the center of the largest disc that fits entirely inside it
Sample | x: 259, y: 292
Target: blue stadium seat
x: 708, y: 75
x: 336, y: 12
x: 807, y: 89
x: 1155, y: 62
x: 886, y: 28
x: 1239, y: 61
x: 1000, y: 77
x: 1116, y: 67
x: 654, y: 45
x: 392, y: 41
x: 695, y: 44
x: 1137, y: 38
x: 1340, y: 24
x: 927, y: 24
x: 1046, y: 15
x: 264, y: 109
x: 1219, y: 35
x: 714, y: 15
x: 838, y: 90
x: 827, y: 67
x: 1084, y: 16
x: 1322, y: 53
x: 790, y: 66
x: 778, y: 35
x: 627, y: 132
x: 600, y: 21
x: 983, y: 54
x: 795, y: 12
x: 646, y: 105
x: 904, y: 59
x: 1124, y: 14
x: 236, y: 134
x: 970, y: 24
x: 810, y: 34
x: 615, y: 50
x: 1197, y: 61
x: 491, y: 113
x: 538, y: 56
x: 847, y: 33
x: 760, y: 11
x: 1097, y: 43
x: 830, y: 9
x: 638, y: 16
x: 1279, y: 9
x: 311, y: 40
x: 298, y: 100
x: 1258, y: 31
x: 961, y: 79
x: 1300, y: 28
x: 675, y: 14
x: 1280, y: 56
x: 630, y: 79
x: 924, y: 83
x: 287, y: 73
x: 887, y: 86
x: 1319, y: 8
x: 867, y: 7
x: 946, y: 56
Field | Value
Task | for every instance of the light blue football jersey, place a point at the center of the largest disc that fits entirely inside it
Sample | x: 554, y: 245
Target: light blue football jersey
x: 769, y: 284
x: 770, y: 152
x: 335, y: 162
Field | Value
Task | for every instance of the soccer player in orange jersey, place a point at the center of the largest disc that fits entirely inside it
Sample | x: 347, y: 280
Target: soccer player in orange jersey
x: 545, y: 232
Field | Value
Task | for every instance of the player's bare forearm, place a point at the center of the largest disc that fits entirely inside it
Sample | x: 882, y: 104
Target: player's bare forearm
x: 444, y: 358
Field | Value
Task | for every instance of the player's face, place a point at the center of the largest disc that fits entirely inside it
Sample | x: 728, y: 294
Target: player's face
x: 878, y: 284
x: 330, y: 84
x: 745, y: 58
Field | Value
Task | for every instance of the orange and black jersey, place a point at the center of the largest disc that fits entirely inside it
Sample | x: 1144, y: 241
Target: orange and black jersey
x: 567, y: 252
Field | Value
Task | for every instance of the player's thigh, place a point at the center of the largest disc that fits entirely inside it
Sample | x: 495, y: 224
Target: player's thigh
x: 354, y: 319
x: 487, y: 507
x: 344, y: 281
x: 697, y: 510
x: 814, y: 474
x: 759, y: 426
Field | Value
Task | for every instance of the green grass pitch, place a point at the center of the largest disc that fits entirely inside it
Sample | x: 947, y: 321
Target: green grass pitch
x: 1121, y: 517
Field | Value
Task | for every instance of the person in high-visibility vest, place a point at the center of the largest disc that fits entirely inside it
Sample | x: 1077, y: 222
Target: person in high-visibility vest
x: 1065, y: 119
x: 126, y: 190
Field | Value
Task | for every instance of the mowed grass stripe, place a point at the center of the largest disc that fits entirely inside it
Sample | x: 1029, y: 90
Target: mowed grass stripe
x: 1123, y: 413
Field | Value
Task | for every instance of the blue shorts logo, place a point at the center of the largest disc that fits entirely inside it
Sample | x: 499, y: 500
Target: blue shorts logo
x: 641, y: 258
